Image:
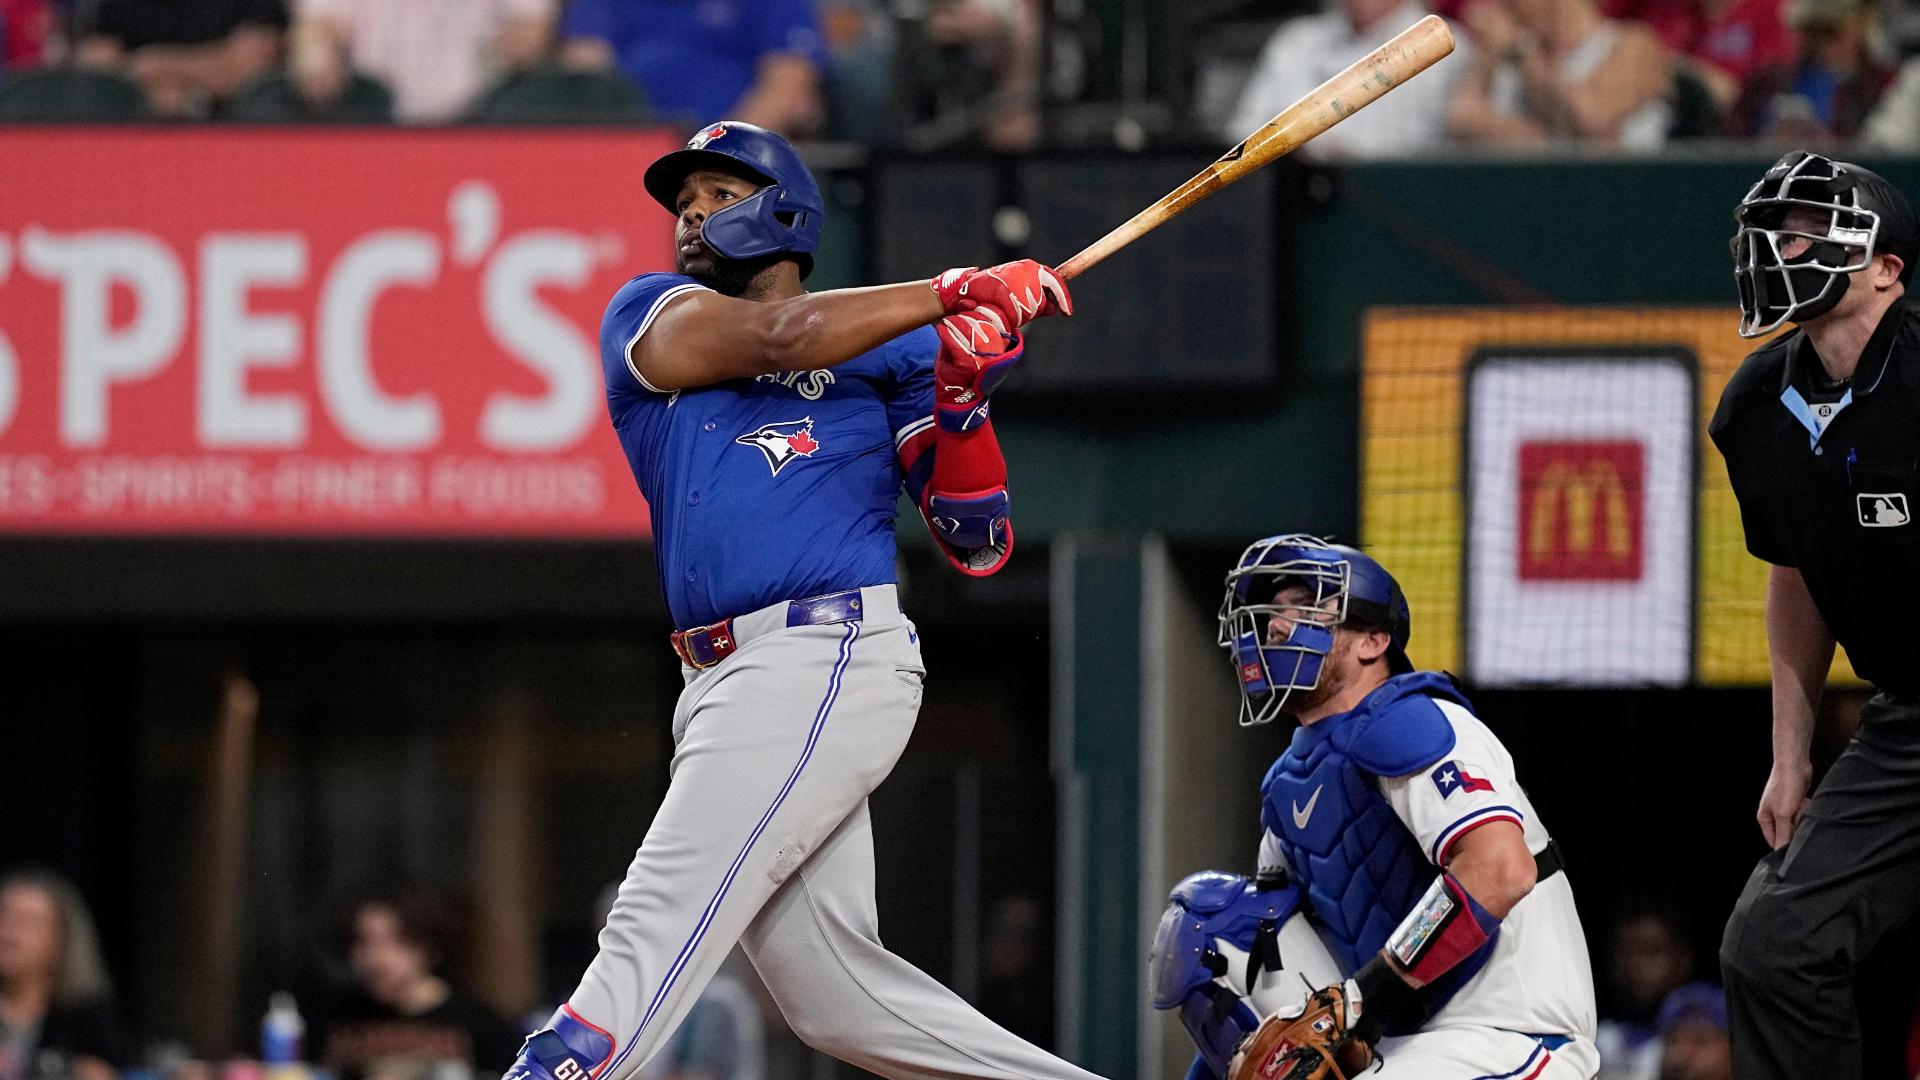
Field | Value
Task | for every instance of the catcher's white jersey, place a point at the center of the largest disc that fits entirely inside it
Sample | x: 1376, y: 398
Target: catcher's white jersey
x: 1539, y: 980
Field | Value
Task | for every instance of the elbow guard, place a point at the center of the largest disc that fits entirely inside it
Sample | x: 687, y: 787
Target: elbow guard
x: 973, y: 529
x: 1446, y: 929
x: 1446, y: 934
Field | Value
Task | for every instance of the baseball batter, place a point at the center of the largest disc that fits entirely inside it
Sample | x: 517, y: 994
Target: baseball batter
x: 771, y: 431
x: 1397, y: 816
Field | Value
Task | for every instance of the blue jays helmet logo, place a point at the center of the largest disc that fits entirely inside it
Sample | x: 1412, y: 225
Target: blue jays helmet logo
x: 700, y: 141
x: 783, y: 442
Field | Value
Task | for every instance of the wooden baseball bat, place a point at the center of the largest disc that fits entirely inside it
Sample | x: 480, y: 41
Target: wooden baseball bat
x: 1412, y: 51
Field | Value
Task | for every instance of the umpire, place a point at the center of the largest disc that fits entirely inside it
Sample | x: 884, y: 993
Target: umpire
x: 1820, y: 429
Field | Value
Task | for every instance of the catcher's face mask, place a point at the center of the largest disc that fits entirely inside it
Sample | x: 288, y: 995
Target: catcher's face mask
x: 1302, y: 581
x: 1802, y: 230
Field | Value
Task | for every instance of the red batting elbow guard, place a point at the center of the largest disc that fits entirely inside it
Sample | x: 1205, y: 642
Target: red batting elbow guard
x: 1442, y: 931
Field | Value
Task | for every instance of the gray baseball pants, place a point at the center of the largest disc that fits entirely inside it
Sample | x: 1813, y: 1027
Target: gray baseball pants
x: 764, y: 839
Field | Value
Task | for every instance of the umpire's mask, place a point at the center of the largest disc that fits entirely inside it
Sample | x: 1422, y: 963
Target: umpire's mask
x: 1855, y: 214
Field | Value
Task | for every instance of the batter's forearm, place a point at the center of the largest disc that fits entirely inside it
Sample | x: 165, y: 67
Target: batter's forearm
x: 820, y: 330
x: 1800, y: 653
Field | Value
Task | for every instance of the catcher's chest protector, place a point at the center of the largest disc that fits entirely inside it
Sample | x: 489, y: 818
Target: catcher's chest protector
x: 1362, y: 869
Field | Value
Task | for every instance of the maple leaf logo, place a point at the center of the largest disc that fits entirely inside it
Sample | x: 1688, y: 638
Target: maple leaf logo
x: 803, y: 443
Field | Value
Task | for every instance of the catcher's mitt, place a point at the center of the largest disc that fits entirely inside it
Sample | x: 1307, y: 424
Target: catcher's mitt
x: 1313, y: 1042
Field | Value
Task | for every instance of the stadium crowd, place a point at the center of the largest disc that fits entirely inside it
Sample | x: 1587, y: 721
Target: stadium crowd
x: 1626, y: 74
x: 823, y: 68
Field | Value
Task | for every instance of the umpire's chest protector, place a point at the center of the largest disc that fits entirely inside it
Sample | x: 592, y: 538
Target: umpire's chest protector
x: 1362, y: 869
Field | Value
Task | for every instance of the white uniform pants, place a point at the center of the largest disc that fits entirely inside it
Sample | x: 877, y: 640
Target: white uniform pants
x: 1481, y: 1053
x: 764, y: 839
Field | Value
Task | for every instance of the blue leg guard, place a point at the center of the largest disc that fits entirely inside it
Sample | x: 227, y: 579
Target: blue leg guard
x: 568, y: 1048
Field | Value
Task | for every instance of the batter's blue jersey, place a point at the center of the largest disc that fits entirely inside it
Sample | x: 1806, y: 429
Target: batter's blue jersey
x: 767, y: 489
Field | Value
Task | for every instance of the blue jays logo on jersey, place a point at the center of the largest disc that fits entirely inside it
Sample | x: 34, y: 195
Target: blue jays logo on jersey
x: 783, y: 442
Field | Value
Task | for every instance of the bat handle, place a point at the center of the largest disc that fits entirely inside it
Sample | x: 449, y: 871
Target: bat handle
x: 1078, y: 265
x: 1105, y: 246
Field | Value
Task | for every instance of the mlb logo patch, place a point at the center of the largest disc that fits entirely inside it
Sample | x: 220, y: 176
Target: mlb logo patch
x: 1882, y: 510
x: 1452, y: 776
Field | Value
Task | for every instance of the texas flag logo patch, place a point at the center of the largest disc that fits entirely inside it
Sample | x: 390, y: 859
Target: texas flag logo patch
x: 783, y: 442
x: 1452, y: 776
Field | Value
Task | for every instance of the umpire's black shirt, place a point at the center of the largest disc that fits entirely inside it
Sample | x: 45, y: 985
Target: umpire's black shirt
x: 1837, y: 503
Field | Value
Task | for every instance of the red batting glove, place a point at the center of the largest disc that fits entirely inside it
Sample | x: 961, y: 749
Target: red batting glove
x: 976, y: 354
x: 1020, y: 291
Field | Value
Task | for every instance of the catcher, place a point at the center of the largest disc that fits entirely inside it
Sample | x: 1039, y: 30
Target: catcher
x: 1395, y: 822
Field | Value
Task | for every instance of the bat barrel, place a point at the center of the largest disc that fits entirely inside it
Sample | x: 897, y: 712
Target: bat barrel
x: 1411, y: 51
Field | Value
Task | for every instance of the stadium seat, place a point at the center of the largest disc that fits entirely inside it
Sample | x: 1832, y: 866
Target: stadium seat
x: 273, y: 100
x: 559, y: 96
x: 70, y: 95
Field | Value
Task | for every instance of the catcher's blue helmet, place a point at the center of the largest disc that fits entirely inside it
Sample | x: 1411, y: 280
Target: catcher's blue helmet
x: 1344, y: 583
x: 785, y: 215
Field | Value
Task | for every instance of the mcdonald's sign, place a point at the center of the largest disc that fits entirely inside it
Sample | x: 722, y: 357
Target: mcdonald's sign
x: 1582, y: 508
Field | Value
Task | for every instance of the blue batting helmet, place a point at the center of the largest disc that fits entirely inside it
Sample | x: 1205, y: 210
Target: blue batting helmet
x: 1344, y: 585
x: 785, y: 215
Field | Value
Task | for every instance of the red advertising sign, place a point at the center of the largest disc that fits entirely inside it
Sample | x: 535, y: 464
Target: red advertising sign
x: 373, y: 332
x: 1582, y: 510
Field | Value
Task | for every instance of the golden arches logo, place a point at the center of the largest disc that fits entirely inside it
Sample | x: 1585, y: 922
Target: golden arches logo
x: 1583, y: 491
x: 1580, y: 510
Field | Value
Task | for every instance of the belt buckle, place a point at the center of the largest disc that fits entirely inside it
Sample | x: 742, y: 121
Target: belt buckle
x: 704, y: 646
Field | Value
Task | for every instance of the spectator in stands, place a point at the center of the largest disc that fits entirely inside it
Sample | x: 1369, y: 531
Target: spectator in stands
x: 188, y: 57
x: 1720, y: 42
x: 1650, y: 959
x: 1693, y: 1035
x: 862, y: 96
x: 404, y: 1019
x: 1558, y: 70
x: 25, y: 26
x: 1306, y: 51
x: 435, y: 56
x: 753, y: 60
x: 971, y: 72
x: 1826, y: 93
x: 57, y: 1018
x: 1894, y: 124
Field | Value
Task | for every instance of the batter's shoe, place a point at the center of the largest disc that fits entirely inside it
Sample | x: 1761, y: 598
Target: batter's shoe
x: 568, y: 1048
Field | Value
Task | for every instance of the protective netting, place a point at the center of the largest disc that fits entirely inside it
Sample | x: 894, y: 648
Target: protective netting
x: 1542, y: 484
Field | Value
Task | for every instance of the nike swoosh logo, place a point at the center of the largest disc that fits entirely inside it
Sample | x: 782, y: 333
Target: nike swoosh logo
x: 1301, y: 817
